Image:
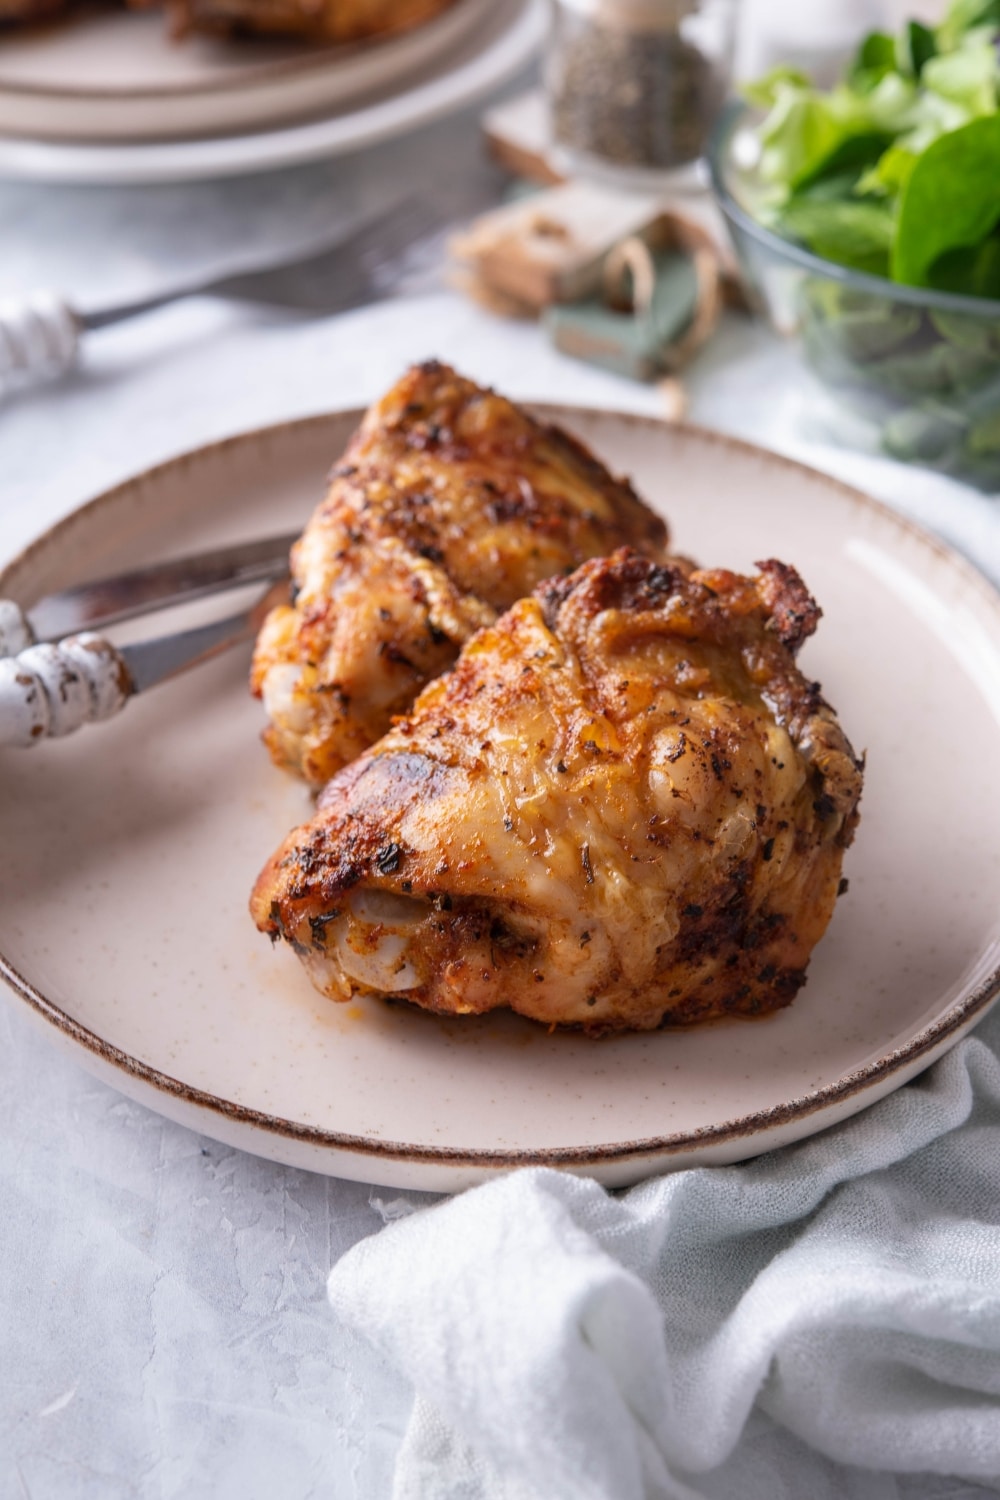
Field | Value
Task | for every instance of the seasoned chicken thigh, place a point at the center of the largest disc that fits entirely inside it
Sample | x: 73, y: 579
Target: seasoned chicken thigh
x: 449, y: 505
x: 624, y: 806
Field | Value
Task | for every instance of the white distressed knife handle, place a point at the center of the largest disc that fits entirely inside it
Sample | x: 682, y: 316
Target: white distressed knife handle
x: 50, y: 690
x: 39, y: 337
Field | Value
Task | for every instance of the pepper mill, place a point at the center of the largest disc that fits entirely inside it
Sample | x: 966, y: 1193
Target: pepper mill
x: 634, y: 85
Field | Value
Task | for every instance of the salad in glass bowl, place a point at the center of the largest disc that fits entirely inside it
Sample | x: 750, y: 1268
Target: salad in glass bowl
x: 867, y: 220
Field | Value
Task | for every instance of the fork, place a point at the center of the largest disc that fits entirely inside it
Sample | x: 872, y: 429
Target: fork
x: 51, y: 686
x: 40, y: 334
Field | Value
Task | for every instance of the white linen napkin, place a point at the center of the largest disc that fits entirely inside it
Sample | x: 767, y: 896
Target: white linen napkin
x: 733, y: 1333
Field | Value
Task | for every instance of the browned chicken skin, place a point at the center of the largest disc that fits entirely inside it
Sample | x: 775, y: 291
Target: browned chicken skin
x: 449, y: 505
x: 624, y: 806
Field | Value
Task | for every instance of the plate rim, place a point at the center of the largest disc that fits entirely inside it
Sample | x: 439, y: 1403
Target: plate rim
x: 929, y: 1039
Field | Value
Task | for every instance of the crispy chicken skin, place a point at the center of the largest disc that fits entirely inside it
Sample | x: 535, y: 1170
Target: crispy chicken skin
x: 625, y: 806
x: 449, y: 505
x: 308, y: 20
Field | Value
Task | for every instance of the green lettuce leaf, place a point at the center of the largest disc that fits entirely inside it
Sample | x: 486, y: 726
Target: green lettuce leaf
x: 981, y: 335
x: 968, y: 77
x: 915, y: 47
x: 932, y: 116
x: 890, y: 173
x: 896, y: 170
x: 962, y: 16
x: 875, y: 58
x: 972, y: 270
x: 857, y: 234
x: 984, y: 435
x: 799, y: 135
x: 807, y: 133
x: 764, y: 92
x: 950, y: 200
x: 861, y: 327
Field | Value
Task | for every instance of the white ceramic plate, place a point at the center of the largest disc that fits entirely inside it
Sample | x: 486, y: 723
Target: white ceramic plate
x: 501, y: 41
x: 129, y: 851
x: 120, y: 76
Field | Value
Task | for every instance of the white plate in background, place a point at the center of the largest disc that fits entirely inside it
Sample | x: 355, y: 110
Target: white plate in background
x: 503, y: 40
x: 118, y: 75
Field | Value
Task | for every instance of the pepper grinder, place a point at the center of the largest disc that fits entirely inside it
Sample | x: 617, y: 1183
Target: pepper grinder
x: 634, y: 85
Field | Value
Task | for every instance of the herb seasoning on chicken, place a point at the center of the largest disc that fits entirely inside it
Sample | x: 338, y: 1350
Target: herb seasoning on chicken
x: 450, y: 504
x: 625, y: 806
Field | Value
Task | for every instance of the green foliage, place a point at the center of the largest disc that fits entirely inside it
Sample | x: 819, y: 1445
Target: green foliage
x: 856, y: 234
x: 968, y: 77
x: 916, y: 46
x: 929, y: 380
x: 896, y: 170
x: 951, y: 200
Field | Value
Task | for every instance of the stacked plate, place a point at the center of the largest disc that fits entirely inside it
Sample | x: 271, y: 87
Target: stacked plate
x: 110, y: 97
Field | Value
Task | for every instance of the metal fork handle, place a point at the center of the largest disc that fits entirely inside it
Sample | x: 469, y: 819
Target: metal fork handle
x: 39, y: 339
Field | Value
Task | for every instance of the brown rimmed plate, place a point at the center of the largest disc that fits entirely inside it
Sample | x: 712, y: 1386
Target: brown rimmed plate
x: 129, y: 851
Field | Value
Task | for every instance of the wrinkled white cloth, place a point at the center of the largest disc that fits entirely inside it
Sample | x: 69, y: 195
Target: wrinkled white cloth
x: 833, y: 1303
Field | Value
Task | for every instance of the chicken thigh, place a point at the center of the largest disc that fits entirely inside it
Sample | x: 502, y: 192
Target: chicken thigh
x: 449, y: 505
x: 624, y: 806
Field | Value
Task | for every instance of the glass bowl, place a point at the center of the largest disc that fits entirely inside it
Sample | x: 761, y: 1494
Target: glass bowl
x: 918, y: 370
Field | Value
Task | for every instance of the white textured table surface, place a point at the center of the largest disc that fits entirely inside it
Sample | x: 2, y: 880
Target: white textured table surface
x: 164, y: 1325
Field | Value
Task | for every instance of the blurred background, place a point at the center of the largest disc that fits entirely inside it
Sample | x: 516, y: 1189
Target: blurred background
x: 142, y: 155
